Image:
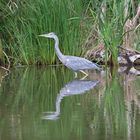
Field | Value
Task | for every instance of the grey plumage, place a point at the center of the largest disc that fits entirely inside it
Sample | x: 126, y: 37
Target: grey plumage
x: 78, y: 63
x: 72, y: 62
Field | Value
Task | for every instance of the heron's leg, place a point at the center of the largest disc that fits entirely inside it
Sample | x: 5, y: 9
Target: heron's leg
x: 75, y: 74
x: 83, y: 77
x: 84, y: 73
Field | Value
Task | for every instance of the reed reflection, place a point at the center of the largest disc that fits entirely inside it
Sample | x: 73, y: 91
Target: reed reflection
x: 74, y: 87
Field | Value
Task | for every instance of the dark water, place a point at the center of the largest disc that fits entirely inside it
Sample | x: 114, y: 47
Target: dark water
x: 49, y: 104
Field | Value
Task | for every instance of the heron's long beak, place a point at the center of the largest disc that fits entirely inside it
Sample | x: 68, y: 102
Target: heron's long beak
x: 43, y: 35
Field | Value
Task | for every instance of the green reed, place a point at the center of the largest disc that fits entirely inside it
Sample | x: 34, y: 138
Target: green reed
x: 110, y: 18
x: 27, y: 19
x: 22, y: 22
x: 111, y: 27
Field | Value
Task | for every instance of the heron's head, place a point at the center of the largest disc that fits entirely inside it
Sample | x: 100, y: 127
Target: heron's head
x: 49, y: 35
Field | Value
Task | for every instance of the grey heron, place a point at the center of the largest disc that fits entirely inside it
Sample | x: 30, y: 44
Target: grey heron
x: 72, y: 62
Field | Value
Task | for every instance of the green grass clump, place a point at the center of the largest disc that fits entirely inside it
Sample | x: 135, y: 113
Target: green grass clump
x: 21, y: 22
x: 111, y: 17
x: 24, y: 20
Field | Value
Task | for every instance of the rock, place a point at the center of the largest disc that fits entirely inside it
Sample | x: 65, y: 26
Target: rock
x: 127, y: 57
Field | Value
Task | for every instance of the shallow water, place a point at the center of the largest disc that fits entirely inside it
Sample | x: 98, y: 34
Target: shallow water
x: 48, y: 103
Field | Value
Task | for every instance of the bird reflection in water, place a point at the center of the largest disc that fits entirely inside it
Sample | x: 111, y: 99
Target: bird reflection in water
x: 74, y: 87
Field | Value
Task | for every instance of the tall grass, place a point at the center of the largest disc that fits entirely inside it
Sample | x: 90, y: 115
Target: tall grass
x: 113, y: 31
x: 21, y: 22
x: 27, y: 19
x: 110, y: 18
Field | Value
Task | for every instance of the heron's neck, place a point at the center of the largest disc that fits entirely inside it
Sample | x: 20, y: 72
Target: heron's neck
x: 58, y: 52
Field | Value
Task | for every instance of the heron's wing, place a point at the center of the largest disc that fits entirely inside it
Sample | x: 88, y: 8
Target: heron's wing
x: 78, y: 63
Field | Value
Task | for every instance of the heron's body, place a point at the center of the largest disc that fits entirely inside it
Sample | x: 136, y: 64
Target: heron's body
x: 72, y: 62
x: 77, y: 63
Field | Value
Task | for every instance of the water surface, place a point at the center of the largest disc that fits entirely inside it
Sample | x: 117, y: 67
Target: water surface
x: 49, y: 104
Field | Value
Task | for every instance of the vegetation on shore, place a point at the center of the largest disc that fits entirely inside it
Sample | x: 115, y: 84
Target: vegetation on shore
x: 73, y: 21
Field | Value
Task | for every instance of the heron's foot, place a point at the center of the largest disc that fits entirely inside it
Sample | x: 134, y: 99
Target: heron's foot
x: 83, y: 77
x: 84, y: 73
